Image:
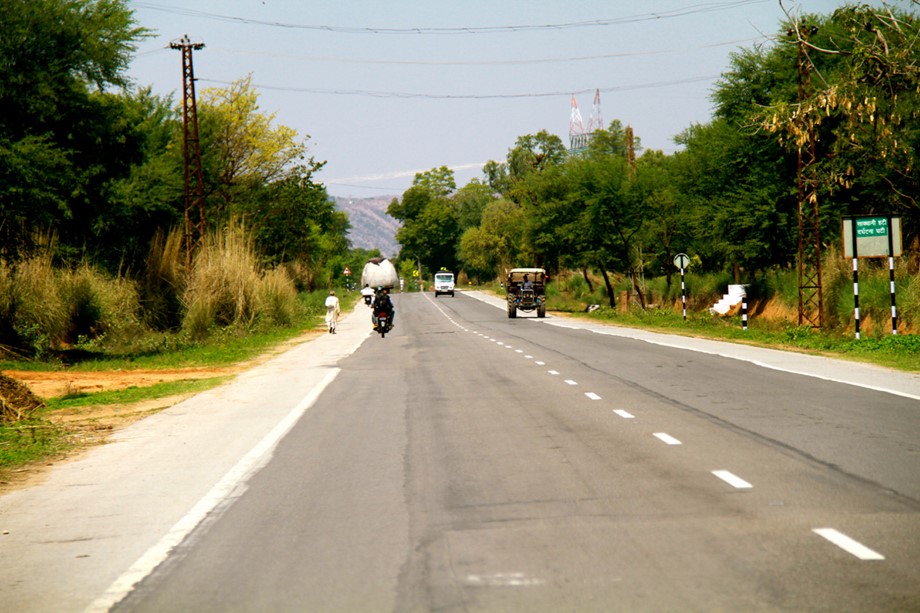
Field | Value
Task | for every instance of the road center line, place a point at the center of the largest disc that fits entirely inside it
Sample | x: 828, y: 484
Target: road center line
x: 571, y: 382
x: 552, y: 372
x: 848, y: 544
x: 666, y: 438
x: 624, y: 414
x: 733, y: 480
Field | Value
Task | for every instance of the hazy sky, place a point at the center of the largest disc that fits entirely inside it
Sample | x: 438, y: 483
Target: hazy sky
x: 388, y: 89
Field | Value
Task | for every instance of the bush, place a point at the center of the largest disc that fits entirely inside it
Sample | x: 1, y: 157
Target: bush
x: 163, y: 282
x: 37, y: 319
x: 226, y: 288
x: 277, y: 298
x: 96, y: 306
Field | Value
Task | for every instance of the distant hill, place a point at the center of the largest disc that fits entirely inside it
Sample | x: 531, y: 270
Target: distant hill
x: 371, y: 227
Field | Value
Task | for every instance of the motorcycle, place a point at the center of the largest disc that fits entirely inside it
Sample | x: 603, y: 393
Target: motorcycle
x: 383, y: 323
x: 368, y: 298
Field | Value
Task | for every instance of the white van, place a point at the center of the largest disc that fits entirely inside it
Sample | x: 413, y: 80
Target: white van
x: 443, y: 283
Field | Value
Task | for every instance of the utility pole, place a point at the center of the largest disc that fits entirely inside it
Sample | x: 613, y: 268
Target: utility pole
x: 194, y: 232
x: 811, y: 298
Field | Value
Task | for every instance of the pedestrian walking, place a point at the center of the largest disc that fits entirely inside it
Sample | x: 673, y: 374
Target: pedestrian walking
x: 332, y: 311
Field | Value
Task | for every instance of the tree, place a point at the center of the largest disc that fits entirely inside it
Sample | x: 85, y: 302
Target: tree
x: 863, y: 107
x: 611, y: 141
x: 63, y: 138
x: 740, y: 198
x: 471, y: 201
x: 241, y: 148
x: 431, y: 226
x: 495, y: 245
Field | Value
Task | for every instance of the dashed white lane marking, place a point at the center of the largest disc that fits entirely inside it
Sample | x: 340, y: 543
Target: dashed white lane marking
x: 552, y: 372
x: 571, y: 382
x: 538, y: 363
x: 592, y: 396
x: 666, y: 438
x: 849, y: 545
x: 733, y: 480
x: 519, y: 351
x: 503, y: 580
x: 529, y: 357
x: 624, y: 414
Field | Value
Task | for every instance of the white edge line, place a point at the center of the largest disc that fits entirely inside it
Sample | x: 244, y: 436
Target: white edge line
x: 675, y: 345
x: 255, y: 459
x: 848, y: 544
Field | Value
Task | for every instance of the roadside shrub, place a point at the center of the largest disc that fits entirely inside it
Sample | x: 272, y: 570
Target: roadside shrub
x: 162, y: 284
x: 277, y: 298
x: 222, y: 285
x: 97, y: 306
x: 37, y: 318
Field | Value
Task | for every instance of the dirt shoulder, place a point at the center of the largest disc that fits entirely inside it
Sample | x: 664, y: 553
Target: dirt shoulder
x: 90, y: 425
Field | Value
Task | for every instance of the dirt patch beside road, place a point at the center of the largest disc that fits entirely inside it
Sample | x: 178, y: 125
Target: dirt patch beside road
x: 53, y: 383
x: 90, y: 425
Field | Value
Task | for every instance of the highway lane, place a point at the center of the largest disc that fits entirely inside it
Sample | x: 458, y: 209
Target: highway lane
x: 468, y: 462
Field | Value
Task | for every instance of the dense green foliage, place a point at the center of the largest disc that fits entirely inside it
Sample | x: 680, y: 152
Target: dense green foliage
x: 92, y: 192
x: 730, y: 196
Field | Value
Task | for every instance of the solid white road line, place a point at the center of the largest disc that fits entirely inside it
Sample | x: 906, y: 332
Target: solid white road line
x: 733, y: 480
x: 666, y: 438
x: 848, y: 544
x: 227, y: 488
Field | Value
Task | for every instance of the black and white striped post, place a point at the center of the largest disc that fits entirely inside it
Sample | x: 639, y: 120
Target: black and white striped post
x: 894, y: 308
x: 682, y: 260
x: 856, y: 293
x: 744, y: 311
x: 855, y: 285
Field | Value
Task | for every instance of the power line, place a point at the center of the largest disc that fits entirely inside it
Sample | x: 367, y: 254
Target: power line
x: 384, y: 94
x: 558, y: 60
x: 708, y: 7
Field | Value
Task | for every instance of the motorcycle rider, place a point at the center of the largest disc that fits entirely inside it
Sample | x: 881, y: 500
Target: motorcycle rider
x: 367, y: 292
x: 382, y: 302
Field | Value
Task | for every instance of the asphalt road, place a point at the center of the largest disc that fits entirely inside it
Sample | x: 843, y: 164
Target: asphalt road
x: 468, y: 462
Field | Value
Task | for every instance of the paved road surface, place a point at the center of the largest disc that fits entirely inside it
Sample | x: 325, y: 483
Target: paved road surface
x: 468, y: 462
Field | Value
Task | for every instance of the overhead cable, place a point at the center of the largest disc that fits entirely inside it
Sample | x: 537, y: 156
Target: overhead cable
x: 385, y: 94
x: 707, y: 7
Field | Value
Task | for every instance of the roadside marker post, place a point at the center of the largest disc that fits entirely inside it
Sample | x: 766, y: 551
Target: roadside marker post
x: 682, y: 260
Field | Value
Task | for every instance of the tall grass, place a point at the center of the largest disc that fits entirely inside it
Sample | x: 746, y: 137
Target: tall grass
x: 227, y: 287
x: 163, y: 282
x: 46, y: 310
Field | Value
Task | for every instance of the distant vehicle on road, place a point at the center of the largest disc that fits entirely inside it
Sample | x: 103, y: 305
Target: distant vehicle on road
x: 526, y: 291
x: 443, y: 283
